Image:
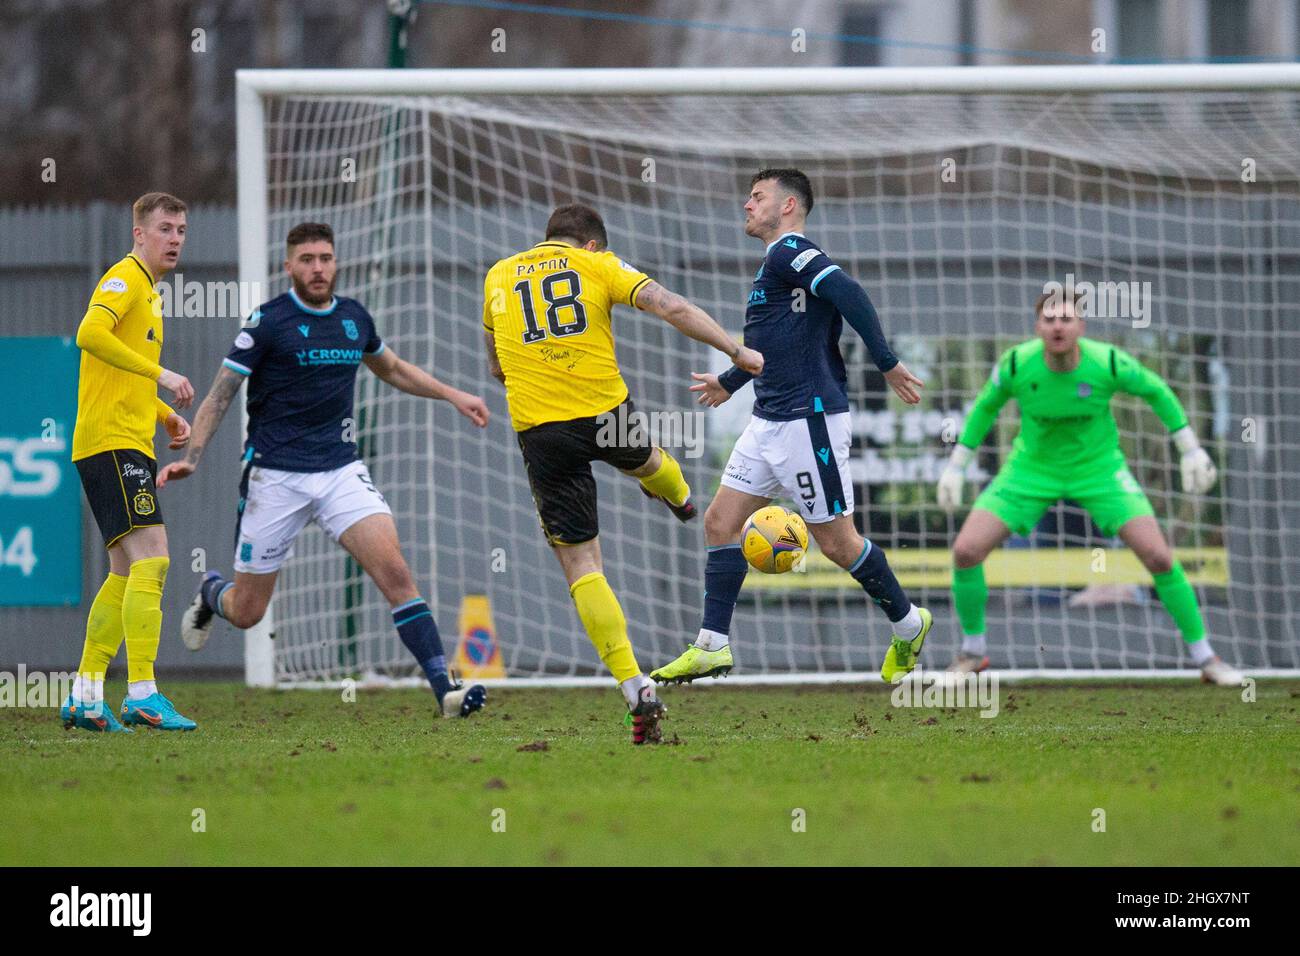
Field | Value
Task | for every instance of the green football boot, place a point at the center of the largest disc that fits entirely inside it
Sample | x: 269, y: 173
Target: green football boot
x: 902, y: 655
x: 693, y: 664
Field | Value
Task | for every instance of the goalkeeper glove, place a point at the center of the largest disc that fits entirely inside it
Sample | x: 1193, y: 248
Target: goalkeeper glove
x: 950, y: 479
x: 1199, y: 473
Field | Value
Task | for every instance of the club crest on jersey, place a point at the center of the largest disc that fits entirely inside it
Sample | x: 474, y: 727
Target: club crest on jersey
x: 1084, y: 389
x: 304, y: 329
x: 350, y: 327
x: 144, y: 503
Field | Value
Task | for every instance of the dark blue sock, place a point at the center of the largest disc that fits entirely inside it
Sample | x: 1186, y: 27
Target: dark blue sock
x: 212, y: 587
x: 872, y: 571
x: 724, y: 573
x: 416, y: 627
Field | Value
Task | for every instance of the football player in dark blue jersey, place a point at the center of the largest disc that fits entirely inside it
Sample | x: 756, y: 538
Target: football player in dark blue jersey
x: 300, y: 353
x: 796, y: 445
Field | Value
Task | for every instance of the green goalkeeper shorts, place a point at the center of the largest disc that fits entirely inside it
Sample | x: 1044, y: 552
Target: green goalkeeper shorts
x: 1020, y: 496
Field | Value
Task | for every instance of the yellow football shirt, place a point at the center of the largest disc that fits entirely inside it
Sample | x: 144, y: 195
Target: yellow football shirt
x: 549, y: 308
x: 117, y: 409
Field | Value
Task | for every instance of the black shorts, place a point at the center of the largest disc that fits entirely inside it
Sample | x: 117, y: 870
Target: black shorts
x: 558, y: 457
x: 120, y: 488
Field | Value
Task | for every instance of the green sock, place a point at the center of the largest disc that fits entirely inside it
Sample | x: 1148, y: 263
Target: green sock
x: 970, y: 594
x: 1178, y: 597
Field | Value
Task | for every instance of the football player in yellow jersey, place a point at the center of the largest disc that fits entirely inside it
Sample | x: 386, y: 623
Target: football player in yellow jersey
x: 118, y: 408
x: 546, y: 314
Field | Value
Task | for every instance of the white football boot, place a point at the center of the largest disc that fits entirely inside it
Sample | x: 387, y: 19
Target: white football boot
x: 1216, y: 671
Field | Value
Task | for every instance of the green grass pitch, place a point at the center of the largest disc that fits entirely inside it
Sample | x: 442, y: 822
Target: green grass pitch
x: 1185, y: 775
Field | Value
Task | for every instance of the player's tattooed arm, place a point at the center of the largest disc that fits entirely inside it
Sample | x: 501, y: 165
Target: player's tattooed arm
x: 494, y: 363
x: 691, y: 320
x: 212, y: 411
x: 224, y: 389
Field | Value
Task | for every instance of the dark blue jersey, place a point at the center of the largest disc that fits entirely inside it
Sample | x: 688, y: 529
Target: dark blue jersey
x: 301, y: 365
x: 797, y: 332
x: 794, y: 318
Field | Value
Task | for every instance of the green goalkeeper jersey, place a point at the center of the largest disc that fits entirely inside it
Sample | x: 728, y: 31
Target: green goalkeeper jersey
x: 1065, y: 419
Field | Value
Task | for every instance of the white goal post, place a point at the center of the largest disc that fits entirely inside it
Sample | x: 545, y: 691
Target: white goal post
x: 953, y: 194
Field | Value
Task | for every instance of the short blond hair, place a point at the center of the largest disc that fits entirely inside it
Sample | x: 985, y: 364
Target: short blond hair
x: 146, y: 205
x: 1047, y: 297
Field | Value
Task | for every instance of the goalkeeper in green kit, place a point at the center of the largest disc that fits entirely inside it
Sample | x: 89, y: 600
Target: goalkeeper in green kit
x: 1068, y: 447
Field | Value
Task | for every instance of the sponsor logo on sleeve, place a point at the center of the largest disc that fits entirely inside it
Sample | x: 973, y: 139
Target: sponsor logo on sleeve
x: 803, y: 258
x: 113, y: 285
x: 243, y: 341
x: 628, y: 267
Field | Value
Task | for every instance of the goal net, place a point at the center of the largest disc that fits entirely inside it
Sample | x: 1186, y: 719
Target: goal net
x: 1171, y: 194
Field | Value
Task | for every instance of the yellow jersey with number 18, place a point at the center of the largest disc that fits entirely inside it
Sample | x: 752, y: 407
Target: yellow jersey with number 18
x: 549, y: 310
x: 117, y: 409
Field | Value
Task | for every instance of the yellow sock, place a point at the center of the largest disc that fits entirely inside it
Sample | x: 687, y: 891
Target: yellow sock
x: 142, y: 616
x: 603, y: 618
x: 667, y: 482
x: 103, y: 629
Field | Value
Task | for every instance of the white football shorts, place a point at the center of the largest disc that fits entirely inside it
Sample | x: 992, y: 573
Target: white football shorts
x: 806, y: 460
x: 279, y: 504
